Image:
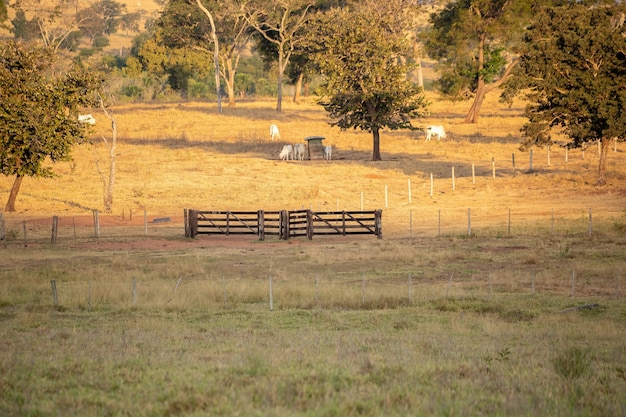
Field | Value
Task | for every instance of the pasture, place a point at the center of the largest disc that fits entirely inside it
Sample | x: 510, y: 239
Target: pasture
x: 429, y: 320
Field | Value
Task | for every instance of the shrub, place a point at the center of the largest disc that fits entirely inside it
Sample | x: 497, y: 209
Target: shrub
x: 572, y: 363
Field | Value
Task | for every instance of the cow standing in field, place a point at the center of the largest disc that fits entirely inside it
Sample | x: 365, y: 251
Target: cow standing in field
x: 435, y: 131
x: 328, y: 152
x: 86, y: 118
x: 287, y: 153
x: 274, y: 133
x: 298, y: 150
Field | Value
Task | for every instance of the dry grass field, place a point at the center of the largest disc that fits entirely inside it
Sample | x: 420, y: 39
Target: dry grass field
x: 425, y: 321
x: 176, y: 156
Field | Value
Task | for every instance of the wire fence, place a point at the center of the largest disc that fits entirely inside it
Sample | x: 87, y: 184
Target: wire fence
x: 394, y: 223
x: 334, y: 291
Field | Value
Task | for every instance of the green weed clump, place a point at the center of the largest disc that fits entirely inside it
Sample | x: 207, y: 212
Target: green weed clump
x: 572, y: 363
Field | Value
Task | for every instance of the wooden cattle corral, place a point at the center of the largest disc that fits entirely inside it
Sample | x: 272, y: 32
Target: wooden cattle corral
x: 284, y: 224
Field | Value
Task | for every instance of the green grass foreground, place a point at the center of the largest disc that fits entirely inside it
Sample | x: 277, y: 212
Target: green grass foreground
x: 347, y: 336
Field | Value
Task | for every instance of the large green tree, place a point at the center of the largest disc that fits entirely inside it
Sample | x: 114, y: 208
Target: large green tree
x: 363, y: 53
x: 573, y: 71
x: 474, y: 44
x: 38, y: 112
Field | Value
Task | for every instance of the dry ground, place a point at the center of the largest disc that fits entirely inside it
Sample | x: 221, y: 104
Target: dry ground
x: 185, y: 155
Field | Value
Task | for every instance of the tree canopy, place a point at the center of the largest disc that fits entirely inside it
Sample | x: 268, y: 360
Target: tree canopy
x: 363, y: 54
x: 573, y: 71
x: 281, y: 23
x: 472, y: 41
x: 38, y: 111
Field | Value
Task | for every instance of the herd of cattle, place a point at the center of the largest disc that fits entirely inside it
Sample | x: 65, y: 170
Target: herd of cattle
x: 296, y: 152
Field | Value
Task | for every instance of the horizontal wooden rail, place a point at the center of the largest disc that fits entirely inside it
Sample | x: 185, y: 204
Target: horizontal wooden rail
x: 285, y: 224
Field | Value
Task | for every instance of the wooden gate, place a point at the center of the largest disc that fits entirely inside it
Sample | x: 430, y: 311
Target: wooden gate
x: 284, y: 224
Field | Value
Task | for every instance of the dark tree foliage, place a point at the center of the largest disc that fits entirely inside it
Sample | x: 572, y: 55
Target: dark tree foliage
x: 362, y: 53
x: 473, y: 42
x: 38, y: 112
x: 573, y: 70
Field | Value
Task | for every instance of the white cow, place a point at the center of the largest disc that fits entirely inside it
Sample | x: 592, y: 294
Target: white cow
x: 274, y: 133
x: 328, y: 152
x: 86, y: 118
x: 298, y: 150
x: 435, y: 130
x: 286, y: 153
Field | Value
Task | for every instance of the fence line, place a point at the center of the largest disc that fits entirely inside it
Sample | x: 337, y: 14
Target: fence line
x: 336, y: 290
x: 413, y: 221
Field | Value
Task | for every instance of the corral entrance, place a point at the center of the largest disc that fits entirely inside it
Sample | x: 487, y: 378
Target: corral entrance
x: 284, y: 224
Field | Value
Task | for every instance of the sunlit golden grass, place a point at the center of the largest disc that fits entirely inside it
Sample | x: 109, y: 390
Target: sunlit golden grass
x: 176, y: 156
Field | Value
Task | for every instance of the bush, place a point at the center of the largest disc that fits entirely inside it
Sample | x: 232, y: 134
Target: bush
x: 572, y: 362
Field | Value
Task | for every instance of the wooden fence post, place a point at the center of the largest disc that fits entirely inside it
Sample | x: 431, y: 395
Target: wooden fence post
x: 261, y: 224
x: 134, y: 291
x: 271, y: 295
x: 24, y: 228
x: 431, y: 185
x: 193, y: 223
x: 453, y: 182
x: 309, y: 224
x: 55, y: 297
x: 284, y: 225
x: 509, y: 220
x: 96, y: 223
x: 469, y: 222
x: 590, y: 224
x: 531, y: 161
x: 186, y: 220
x: 55, y: 226
x: 343, y: 223
x: 378, y: 223
x: 2, y: 233
x: 473, y: 174
x: 439, y: 224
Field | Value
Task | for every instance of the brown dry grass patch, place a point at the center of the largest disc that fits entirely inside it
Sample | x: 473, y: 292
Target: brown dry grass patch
x: 185, y: 155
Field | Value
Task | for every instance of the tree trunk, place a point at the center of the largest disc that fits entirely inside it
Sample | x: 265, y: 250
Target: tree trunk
x: 298, y: 89
x: 230, y: 84
x: 472, y: 115
x: 279, y: 100
x: 216, y: 54
x: 10, y: 207
x: 604, y: 151
x: 376, y: 145
x: 108, y: 195
x: 474, y: 112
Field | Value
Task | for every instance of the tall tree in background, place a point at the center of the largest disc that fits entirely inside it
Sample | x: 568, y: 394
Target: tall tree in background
x: 38, y: 112
x: 362, y: 51
x: 55, y: 20
x: 471, y: 40
x: 573, y: 70
x: 184, y: 24
x: 280, y: 22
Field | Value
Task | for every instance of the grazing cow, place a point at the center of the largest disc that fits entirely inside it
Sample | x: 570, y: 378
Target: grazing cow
x: 86, y: 118
x: 328, y: 152
x: 435, y: 130
x: 298, y: 150
x: 274, y: 133
x: 287, y: 153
